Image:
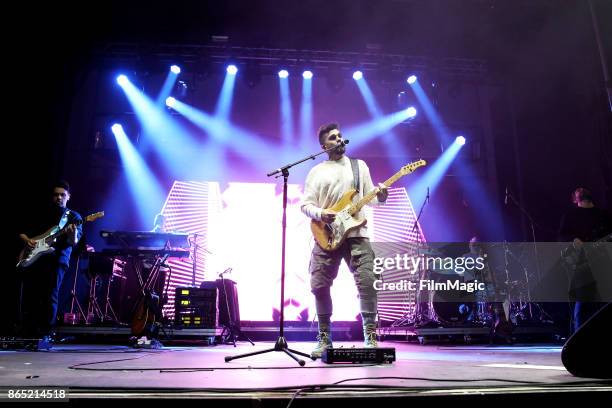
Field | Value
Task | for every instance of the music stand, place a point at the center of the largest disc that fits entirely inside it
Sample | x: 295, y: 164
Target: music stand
x: 281, y: 342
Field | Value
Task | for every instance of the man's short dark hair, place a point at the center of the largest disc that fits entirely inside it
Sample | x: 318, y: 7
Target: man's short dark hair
x: 61, y: 184
x: 324, y: 130
x: 581, y: 194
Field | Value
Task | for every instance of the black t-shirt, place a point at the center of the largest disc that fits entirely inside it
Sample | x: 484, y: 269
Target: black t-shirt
x: 588, y: 224
x: 50, y: 217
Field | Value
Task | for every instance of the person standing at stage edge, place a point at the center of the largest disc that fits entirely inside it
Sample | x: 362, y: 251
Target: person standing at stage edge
x: 43, y: 278
x: 583, y: 223
x: 325, y: 185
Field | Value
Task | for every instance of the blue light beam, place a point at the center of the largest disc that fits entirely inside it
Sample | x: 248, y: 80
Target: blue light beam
x: 146, y: 191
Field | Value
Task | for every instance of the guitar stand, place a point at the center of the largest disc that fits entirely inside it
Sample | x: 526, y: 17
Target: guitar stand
x: 147, y: 287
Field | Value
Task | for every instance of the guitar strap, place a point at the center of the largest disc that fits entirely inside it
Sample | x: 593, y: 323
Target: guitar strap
x: 355, y: 167
x: 64, y: 219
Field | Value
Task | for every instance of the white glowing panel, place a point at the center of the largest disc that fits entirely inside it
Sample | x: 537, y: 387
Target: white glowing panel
x: 240, y: 228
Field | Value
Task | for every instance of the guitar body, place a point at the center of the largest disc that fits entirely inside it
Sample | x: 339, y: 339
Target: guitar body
x: 146, y: 312
x: 30, y: 255
x: 331, y: 236
x: 44, y: 242
x: 140, y: 318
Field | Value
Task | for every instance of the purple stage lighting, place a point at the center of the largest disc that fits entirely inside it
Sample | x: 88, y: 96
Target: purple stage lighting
x: 460, y: 140
x: 283, y: 73
x: 175, y: 69
x: 307, y: 74
x: 357, y: 75
x: 116, y: 128
x: 411, y: 112
x: 411, y: 79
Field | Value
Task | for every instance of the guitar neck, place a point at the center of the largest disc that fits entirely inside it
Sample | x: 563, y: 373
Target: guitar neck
x: 63, y: 230
x: 355, y: 208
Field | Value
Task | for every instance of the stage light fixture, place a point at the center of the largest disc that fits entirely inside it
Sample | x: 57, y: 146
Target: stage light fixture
x: 232, y: 69
x: 170, y: 102
x: 122, y: 80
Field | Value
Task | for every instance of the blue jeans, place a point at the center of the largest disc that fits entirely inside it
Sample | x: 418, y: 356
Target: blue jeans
x: 583, y: 311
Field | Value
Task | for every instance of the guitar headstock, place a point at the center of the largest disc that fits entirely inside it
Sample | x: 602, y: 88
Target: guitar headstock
x: 94, y: 216
x: 410, y: 167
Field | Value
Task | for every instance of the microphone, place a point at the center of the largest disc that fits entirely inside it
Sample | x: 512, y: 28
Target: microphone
x: 506, y: 197
x: 427, y: 198
x: 342, y: 143
x: 228, y: 270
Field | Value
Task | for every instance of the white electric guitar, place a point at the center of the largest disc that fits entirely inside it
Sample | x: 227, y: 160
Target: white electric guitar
x: 330, y: 236
x: 44, y: 242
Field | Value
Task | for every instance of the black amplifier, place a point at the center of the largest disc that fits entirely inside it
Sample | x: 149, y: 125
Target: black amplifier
x: 359, y: 355
x: 196, y: 307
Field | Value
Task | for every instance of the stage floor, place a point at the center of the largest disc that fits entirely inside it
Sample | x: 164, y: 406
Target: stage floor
x: 99, y: 370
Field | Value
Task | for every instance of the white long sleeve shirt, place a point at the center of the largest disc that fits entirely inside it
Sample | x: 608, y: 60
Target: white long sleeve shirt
x: 327, y: 182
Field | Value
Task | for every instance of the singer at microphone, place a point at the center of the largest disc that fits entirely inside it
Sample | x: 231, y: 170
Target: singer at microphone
x: 341, y: 146
x: 326, y: 185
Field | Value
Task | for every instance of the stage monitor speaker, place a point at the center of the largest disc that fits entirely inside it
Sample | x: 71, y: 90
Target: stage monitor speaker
x: 588, y: 352
x: 232, y: 300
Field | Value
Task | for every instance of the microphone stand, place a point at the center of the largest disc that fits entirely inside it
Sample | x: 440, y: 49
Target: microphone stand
x: 421, y: 211
x: 418, y: 312
x: 195, y: 259
x: 281, y: 342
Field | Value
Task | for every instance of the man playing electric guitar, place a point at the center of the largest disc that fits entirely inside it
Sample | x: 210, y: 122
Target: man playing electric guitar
x: 43, y: 277
x: 325, y: 185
